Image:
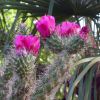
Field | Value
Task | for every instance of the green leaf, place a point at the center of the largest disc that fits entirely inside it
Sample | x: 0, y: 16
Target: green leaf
x: 81, y: 85
x: 88, y: 83
x: 95, y: 89
x: 81, y: 75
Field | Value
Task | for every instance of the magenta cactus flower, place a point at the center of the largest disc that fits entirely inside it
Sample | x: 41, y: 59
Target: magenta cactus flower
x: 27, y: 43
x: 46, y: 26
x: 66, y: 29
x: 18, y: 42
x: 84, y: 32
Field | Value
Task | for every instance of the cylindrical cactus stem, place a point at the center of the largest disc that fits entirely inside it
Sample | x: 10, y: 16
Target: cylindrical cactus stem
x: 25, y: 69
x: 25, y: 90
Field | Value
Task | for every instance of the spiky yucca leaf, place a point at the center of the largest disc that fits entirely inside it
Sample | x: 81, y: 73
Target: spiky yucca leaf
x: 90, y: 66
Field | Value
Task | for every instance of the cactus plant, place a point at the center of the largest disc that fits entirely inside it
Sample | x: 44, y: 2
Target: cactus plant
x: 71, y: 44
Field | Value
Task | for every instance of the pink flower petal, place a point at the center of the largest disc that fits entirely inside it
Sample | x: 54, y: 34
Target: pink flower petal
x: 27, y: 43
x: 46, y: 25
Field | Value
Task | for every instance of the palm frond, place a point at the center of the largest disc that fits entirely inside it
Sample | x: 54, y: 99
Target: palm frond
x: 62, y: 8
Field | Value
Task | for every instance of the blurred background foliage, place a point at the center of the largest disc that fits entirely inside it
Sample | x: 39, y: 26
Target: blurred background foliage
x: 20, y: 15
